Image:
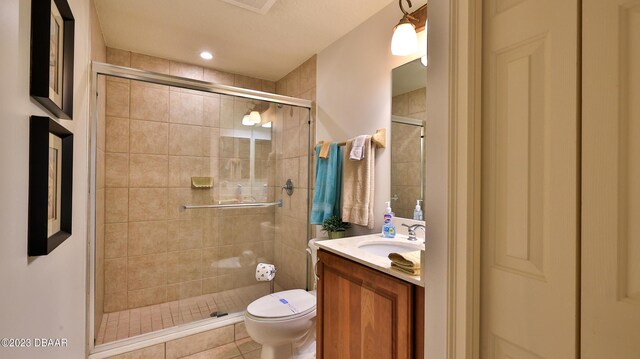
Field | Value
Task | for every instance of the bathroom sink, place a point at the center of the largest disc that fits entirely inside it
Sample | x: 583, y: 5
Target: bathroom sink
x: 382, y: 247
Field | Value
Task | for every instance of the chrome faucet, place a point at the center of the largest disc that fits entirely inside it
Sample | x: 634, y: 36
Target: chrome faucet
x: 412, y: 230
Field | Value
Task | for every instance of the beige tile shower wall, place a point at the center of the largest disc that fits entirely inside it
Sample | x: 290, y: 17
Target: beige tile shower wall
x: 155, y: 64
x: 157, y: 138
x: 405, y: 151
x: 292, y: 137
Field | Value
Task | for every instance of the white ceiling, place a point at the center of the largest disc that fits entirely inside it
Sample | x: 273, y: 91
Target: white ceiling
x: 408, y: 77
x: 241, y: 41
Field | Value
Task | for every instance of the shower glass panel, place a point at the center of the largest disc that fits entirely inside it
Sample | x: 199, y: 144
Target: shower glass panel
x: 188, y: 201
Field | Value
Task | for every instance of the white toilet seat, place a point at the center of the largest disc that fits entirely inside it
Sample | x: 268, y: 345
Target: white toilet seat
x: 283, y: 305
x: 311, y: 312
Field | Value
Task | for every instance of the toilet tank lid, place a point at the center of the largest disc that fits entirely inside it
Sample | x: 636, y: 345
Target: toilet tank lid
x: 282, y: 304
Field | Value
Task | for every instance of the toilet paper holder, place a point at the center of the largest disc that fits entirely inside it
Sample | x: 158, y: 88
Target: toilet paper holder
x: 272, y: 282
x: 267, y: 272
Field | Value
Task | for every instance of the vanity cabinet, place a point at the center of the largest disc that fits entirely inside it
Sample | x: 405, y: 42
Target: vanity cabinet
x: 364, y: 313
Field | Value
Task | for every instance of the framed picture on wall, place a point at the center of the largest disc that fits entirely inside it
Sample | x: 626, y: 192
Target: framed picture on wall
x: 50, y: 185
x: 52, y: 34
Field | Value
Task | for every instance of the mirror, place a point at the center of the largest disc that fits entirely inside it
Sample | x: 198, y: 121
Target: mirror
x: 245, y: 146
x: 408, y: 115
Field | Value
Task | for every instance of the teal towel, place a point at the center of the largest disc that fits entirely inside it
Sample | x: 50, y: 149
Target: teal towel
x: 326, y: 198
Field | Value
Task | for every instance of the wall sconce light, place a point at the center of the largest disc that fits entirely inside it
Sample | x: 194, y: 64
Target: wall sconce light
x: 405, y: 39
x: 252, y: 117
x: 255, y: 118
x: 246, y: 121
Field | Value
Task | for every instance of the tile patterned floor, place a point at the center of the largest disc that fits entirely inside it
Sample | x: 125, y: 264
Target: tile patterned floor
x: 132, y: 322
x: 240, y: 349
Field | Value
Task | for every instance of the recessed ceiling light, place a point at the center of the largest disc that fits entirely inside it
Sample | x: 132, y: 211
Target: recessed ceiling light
x: 206, y: 55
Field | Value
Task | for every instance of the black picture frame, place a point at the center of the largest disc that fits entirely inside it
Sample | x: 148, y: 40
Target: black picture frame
x: 39, y: 241
x: 41, y: 11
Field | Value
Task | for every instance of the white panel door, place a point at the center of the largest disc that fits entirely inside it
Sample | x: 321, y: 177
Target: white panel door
x: 610, y: 304
x: 529, y: 179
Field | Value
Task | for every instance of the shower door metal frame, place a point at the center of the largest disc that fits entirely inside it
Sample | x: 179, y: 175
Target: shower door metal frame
x: 99, y: 68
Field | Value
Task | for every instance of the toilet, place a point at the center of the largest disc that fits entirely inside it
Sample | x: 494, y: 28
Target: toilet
x: 282, y: 322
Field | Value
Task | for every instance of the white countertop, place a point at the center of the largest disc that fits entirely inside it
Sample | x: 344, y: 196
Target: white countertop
x: 348, y: 248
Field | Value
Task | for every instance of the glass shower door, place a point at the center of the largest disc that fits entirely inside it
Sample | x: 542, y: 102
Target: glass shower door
x: 188, y: 200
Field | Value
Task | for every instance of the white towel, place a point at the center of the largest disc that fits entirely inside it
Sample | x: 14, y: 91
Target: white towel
x: 358, y: 187
x: 357, y: 150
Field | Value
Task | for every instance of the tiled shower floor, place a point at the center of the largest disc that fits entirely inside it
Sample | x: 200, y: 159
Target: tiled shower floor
x: 132, y: 322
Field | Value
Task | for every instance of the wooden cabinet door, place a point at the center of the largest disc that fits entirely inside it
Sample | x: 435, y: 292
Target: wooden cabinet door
x: 362, y: 313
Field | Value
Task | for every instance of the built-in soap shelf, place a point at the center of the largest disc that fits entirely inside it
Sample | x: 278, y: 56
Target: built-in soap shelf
x: 201, y: 182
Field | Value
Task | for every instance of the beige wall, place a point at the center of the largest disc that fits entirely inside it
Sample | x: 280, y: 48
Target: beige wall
x: 157, y: 138
x: 354, y: 93
x: 437, y: 189
x: 293, y: 134
x: 354, y: 97
x: 45, y: 296
x: 406, y: 148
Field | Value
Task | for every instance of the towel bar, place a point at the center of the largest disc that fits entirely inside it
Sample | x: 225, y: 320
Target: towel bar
x: 237, y: 205
x: 379, y: 139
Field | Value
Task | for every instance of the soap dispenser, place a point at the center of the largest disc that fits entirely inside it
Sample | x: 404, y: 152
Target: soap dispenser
x: 417, y: 213
x: 388, y: 229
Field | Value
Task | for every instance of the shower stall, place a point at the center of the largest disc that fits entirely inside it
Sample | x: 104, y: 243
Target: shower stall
x: 188, y: 195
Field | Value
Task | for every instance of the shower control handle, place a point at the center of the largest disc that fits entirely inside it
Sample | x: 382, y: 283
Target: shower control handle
x: 288, y: 187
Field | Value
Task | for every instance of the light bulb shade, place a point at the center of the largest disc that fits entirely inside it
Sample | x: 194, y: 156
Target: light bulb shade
x: 405, y: 40
x: 246, y: 121
x: 254, y: 117
x: 267, y: 125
